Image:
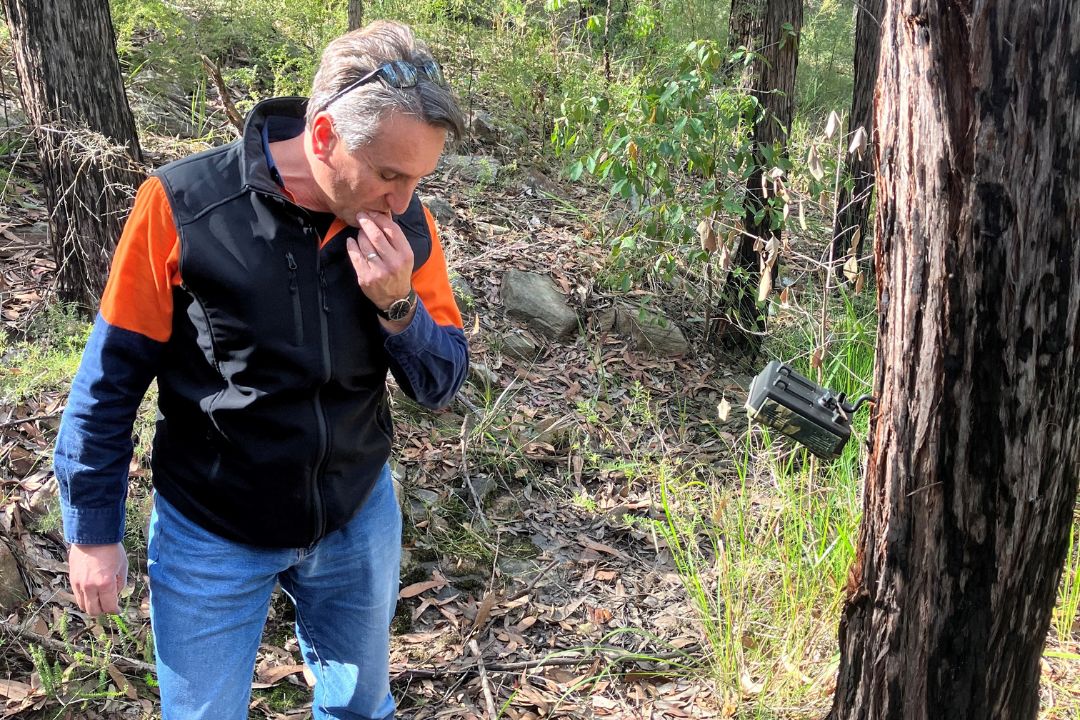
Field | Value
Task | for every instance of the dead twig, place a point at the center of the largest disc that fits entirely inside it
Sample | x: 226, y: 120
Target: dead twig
x: 70, y: 648
x: 489, y: 698
x: 619, y: 656
x: 233, y: 114
x: 20, y: 421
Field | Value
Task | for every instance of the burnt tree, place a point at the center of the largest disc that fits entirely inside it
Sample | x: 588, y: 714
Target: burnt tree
x: 852, y: 225
x: 73, y: 94
x: 974, y: 459
x: 356, y: 14
x: 769, y: 29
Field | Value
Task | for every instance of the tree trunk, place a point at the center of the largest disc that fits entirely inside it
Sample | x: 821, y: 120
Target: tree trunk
x: 852, y: 227
x: 356, y: 14
x: 73, y: 93
x: 759, y: 26
x: 974, y: 459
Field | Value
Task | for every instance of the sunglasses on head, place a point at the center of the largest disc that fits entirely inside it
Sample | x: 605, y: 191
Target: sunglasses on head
x: 397, y: 74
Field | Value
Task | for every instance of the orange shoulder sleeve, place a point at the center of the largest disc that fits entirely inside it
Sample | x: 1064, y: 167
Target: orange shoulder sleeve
x: 145, y: 267
x: 432, y: 283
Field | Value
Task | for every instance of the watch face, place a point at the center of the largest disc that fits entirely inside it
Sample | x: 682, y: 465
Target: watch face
x: 399, y: 310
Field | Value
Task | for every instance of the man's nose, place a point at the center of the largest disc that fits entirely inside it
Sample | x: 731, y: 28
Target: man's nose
x: 399, y: 199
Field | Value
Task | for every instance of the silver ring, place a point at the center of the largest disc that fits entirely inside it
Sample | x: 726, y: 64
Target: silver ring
x: 372, y: 255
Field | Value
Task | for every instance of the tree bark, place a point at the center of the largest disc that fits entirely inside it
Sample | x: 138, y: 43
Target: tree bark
x: 852, y: 227
x: 73, y: 93
x: 356, y: 14
x: 974, y: 461
x: 759, y: 26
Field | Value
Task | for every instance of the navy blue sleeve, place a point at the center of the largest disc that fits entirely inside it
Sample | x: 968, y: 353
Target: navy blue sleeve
x: 94, y: 445
x: 428, y: 360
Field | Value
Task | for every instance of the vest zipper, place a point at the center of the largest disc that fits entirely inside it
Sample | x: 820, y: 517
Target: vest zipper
x: 297, y: 310
x: 324, y: 429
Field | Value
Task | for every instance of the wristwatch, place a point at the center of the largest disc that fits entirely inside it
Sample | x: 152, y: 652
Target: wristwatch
x: 399, y: 309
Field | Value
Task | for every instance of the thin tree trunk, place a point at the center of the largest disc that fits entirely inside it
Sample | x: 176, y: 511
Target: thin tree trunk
x: 356, y: 14
x: 974, y: 459
x: 853, y: 228
x: 759, y: 26
x: 73, y: 93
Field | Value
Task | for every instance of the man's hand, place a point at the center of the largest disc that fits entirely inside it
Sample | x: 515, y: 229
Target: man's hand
x: 98, y: 574
x: 382, y: 259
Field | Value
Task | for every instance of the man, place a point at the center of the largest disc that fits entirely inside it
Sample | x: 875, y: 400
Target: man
x: 269, y: 285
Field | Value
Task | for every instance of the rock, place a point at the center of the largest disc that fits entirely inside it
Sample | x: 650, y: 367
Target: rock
x: 652, y: 332
x: 491, y: 229
x: 519, y: 346
x: 605, y: 319
x: 443, y: 211
x: 481, y: 374
x: 540, y: 184
x: 12, y: 590
x: 484, y: 485
x: 483, y: 126
x: 463, y: 291
x: 516, y: 568
x: 535, y: 300
x: 473, y: 168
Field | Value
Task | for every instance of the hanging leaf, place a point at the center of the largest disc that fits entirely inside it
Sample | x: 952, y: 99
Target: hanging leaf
x: 851, y: 268
x: 707, y: 235
x: 832, y: 125
x: 860, y: 283
x: 785, y: 297
x: 817, y: 360
x: 814, y: 163
x: 802, y: 215
x: 776, y: 173
x: 764, y: 286
x: 858, y: 142
x: 853, y: 248
x: 723, y: 409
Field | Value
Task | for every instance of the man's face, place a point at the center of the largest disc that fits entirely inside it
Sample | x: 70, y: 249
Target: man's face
x: 381, y: 176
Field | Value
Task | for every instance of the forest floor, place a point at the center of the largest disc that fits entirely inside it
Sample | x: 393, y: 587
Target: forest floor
x: 535, y: 583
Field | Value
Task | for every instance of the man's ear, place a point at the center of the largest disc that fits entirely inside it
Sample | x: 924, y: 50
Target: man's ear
x: 323, y: 136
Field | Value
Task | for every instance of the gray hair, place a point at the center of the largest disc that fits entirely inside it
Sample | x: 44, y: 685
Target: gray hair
x: 357, y: 114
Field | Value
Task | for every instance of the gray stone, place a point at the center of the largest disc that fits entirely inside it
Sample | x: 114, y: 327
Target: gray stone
x: 652, y: 332
x: 483, y: 126
x: 473, y: 168
x: 535, y: 300
x: 482, y: 374
x: 463, y: 291
x: 12, y: 590
x: 605, y: 319
x: 516, y: 568
x: 491, y: 229
x: 443, y: 211
x: 540, y: 184
x: 519, y: 346
x: 483, y: 485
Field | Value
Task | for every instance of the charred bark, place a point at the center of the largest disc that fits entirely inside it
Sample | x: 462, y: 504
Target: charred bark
x: 973, y: 467
x: 852, y: 227
x: 771, y: 29
x: 356, y: 14
x: 73, y: 93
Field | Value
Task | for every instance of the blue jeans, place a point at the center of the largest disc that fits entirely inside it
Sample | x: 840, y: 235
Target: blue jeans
x: 209, y: 599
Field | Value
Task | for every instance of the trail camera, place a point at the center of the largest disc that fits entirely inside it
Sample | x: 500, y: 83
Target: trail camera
x: 801, y: 409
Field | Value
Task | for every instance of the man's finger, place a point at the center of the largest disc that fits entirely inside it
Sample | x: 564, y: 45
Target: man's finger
x: 375, y: 235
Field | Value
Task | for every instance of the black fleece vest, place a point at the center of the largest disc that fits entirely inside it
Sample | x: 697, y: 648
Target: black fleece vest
x: 274, y: 423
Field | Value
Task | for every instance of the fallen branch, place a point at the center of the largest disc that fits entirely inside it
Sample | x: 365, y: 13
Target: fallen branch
x: 230, y: 110
x: 489, y: 698
x: 70, y: 649
x: 620, y: 656
x: 20, y: 421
